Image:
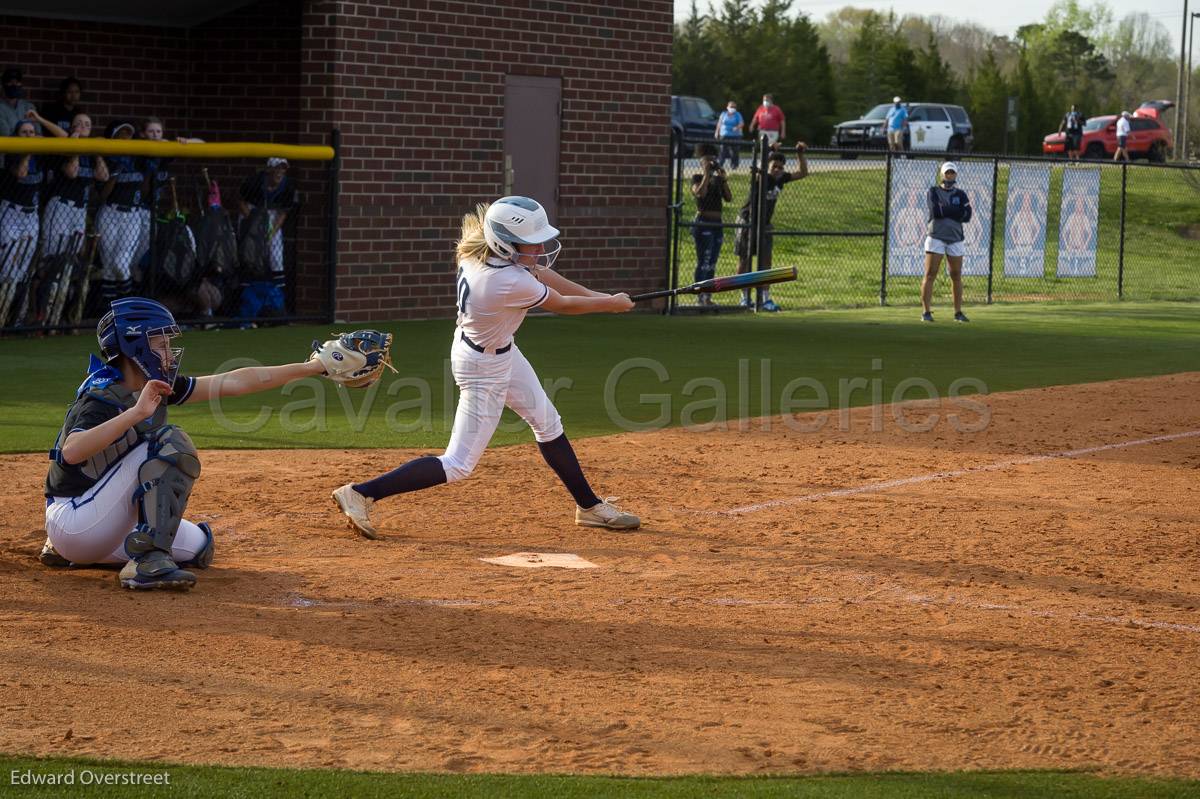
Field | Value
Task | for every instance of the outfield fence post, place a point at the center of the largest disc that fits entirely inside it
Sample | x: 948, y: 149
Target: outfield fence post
x: 755, y: 237
x: 887, y: 221
x: 992, y: 235
x: 331, y: 253
x: 1121, y: 247
x: 669, y: 217
x: 677, y: 209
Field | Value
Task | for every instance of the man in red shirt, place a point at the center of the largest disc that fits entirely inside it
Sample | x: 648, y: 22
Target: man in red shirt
x: 769, y: 119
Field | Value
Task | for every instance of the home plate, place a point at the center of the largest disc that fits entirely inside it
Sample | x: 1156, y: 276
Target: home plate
x: 538, y: 560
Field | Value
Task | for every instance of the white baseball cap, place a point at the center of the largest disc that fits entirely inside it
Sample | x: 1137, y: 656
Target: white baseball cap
x: 949, y: 166
x: 895, y: 99
x: 276, y: 162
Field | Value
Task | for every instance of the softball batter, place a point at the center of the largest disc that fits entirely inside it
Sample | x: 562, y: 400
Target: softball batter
x: 120, y: 476
x: 504, y: 270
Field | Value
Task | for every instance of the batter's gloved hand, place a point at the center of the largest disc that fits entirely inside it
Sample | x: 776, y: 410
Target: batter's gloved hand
x: 355, y: 359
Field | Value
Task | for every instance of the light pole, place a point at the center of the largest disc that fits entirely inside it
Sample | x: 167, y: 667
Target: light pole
x: 1179, y: 89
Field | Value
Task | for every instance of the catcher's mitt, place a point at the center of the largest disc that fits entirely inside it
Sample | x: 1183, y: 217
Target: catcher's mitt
x: 355, y: 359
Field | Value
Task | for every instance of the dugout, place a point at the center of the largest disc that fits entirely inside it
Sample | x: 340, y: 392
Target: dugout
x: 439, y: 105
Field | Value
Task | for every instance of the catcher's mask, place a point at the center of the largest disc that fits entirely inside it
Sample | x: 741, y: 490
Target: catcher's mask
x: 141, y: 330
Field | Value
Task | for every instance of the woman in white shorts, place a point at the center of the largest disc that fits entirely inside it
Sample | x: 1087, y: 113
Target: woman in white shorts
x: 949, y: 210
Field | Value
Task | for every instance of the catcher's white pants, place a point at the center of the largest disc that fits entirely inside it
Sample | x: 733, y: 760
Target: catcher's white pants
x: 487, y: 383
x: 92, y: 528
x: 15, y: 225
x: 61, y: 221
x: 124, y: 238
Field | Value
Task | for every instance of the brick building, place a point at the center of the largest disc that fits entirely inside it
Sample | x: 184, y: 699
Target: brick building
x: 440, y: 105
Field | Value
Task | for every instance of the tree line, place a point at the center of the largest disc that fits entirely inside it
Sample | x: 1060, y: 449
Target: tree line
x: 825, y: 72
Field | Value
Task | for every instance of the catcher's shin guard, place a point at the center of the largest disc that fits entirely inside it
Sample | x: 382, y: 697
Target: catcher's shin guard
x: 166, y: 476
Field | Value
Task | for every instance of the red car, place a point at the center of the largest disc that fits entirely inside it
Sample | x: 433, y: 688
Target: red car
x: 1148, y: 136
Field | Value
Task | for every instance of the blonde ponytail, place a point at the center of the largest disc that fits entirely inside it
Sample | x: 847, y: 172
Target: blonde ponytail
x: 471, y: 243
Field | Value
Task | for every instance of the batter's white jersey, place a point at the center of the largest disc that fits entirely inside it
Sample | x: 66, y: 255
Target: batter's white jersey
x: 491, y: 372
x: 493, y: 299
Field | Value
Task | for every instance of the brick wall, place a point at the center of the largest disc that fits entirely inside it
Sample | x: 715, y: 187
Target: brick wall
x: 417, y: 88
x: 126, y: 70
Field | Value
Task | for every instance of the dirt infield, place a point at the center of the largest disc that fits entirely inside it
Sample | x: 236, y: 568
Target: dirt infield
x: 993, y: 611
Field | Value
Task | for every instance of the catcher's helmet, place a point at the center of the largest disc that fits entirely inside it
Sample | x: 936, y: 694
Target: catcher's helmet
x: 519, y: 220
x: 127, y: 330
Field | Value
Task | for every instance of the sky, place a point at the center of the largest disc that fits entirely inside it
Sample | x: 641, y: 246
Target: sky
x: 1002, y: 17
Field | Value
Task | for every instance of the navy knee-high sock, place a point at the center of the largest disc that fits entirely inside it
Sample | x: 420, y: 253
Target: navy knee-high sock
x: 413, y: 476
x: 561, y: 458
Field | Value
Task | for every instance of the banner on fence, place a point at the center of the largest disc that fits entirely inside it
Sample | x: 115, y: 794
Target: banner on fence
x: 1078, y: 222
x: 1025, y: 220
x: 975, y: 178
x: 907, y: 225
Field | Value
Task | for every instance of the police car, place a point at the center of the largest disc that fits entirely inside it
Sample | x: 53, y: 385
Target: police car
x: 936, y: 127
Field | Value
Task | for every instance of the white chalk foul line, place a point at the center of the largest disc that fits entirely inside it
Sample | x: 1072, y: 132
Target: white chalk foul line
x: 870, y: 488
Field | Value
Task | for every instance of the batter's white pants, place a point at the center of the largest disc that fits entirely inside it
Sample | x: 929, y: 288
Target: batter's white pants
x: 15, y: 225
x: 486, y: 384
x: 92, y: 528
x: 61, y: 221
x: 124, y: 237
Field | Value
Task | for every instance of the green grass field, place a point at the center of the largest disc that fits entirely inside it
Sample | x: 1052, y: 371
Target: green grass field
x: 1007, y: 347
x: 1160, y: 262
x: 262, y: 783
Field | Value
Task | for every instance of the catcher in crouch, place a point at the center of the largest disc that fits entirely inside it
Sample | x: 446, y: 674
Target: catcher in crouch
x: 505, y: 255
x: 120, y: 476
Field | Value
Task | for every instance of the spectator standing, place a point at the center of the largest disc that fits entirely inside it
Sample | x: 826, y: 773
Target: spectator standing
x: 157, y: 172
x: 14, y: 108
x: 897, y: 118
x: 266, y: 198
x: 69, y: 182
x: 949, y: 209
x: 18, y: 218
x: 1072, y: 126
x: 122, y: 217
x: 1122, y: 154
x: 729, y: 130
x: 62, y: 112
x: 743, y: 247
x: 711, y: 191
x: 770, y: 120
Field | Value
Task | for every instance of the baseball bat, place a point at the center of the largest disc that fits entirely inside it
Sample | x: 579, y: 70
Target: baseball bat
x: 85, y: 280
x: 11, y: 285
x: 58, y: 297
x: 717, y: 284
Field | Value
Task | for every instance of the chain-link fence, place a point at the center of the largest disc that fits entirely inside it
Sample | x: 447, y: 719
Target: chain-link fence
x: 1043, y: 229
x: 228, y: 242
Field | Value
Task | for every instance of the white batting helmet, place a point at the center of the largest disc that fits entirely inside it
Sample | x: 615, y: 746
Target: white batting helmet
x: 518, y: 220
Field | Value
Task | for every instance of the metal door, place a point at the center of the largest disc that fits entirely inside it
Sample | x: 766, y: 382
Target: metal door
x: 532, y: 114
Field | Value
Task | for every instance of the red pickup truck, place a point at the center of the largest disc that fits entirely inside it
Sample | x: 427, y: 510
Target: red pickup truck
x: 1148, y: 137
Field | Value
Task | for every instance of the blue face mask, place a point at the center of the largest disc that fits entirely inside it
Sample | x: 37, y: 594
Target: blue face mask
x: 14, y: 92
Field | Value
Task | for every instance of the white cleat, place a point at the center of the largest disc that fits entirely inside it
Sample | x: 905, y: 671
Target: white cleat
x: 608, y: 515
x: 357, y: 509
